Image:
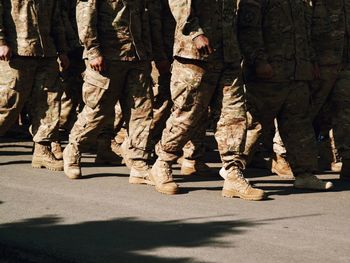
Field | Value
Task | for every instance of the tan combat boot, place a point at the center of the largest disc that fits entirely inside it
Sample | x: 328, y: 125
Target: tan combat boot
x: 56, y: 149
x: 71, y: 159
x: 140, y: 173
x: 336, y: 167
x: 236, y: 185
x: 281, y: 167
x: 108, y: 152
x: 195, y: 167
x: 161, y: 175
x: 44, y: 158
x: 310, y: 181
x: 345, y: 171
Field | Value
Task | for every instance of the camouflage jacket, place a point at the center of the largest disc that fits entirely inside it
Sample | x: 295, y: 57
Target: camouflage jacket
x: 125, y: 30
x: 68, y: 8
x: 276, y: 32
x: 216, y: 19
x: 32, y: 27
x: 330, y: 31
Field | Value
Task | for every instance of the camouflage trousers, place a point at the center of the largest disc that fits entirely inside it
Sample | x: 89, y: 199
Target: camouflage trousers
x: 126, y: 82
x: 329, y: 110
x: 36, y: 80
x: 71, y: 101
x: 340, y: 108
x: 194, y: 149
x: 194, y: 87
x: 288, y: 103
x: 162, y: 104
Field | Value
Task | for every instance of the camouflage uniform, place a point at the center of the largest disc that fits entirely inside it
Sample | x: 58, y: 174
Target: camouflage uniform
x: 199, y: 81
x: 119, y: 31
x: 330, y: 35
x: 32, y: 72
x: 276, y: 32
x: 71, y: 101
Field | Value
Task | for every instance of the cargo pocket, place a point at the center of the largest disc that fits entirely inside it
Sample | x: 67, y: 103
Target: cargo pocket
x: 8, y: 81
x: 95, y: 86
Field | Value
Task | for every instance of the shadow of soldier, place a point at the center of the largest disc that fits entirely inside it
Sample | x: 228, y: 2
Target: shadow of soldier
x: 118, y: 240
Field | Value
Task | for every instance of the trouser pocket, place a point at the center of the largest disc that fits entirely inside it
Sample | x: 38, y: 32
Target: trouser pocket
x: 95, y: 86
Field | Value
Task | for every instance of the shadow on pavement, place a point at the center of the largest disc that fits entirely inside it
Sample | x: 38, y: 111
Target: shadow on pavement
x: 285, y: 187
x: 102, y: 175
x: 15, y: 162
x: 118, y: 240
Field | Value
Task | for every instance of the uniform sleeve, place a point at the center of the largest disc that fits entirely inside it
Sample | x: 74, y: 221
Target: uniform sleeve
x: 87, y: 27
x: 158, y: 49
x: 57, y: 29
x: 250, y: 34
x: 185, y: 17
x: 2, y: 29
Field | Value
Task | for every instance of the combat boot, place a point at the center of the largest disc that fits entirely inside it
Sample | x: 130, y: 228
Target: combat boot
x: 108, y: 152
x: 281, y: 167
x: 336, y: 167
x: 310, y: 181
x: 140, y: 173
x: 71, y: 159
x: 44, y: 158
x: 161, y: 175
x: 345, y: 171
x: 236, y: 185
x: 195, y: 167
x: 56, y: 149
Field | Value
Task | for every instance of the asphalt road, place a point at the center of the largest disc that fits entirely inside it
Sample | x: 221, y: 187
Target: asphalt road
x: 45, y: 217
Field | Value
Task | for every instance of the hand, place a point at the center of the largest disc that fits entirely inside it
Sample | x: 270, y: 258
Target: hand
x: 316, y: 72
x: 64, y: 61
x: 264, y: 71
x: 163, y: 66
x: 5, y: 53
x: 98, y: 64
x: 202, y: 44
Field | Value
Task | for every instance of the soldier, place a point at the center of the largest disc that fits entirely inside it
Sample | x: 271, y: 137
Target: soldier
x: 330, y: 22
x: 29, y: 46
x: 277, y: 65
x: 116, y: 37
x: 192, y: 161
x: 206, y: 70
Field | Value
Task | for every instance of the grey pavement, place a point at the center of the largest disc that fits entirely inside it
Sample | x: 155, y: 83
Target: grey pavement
x: 45, y: 217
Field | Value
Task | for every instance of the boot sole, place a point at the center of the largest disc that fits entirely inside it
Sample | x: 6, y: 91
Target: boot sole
x: 235, y: 194
x: 137, y: 180
x: 39, y: 165
x: 162, y: 191
x: 284, y: 176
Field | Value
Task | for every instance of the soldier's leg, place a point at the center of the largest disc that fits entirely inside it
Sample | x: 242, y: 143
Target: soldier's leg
x: 45, y: 106
x: 137, y: 111
x: 16, y: 81
x: 298, y: 136
x: 280, y: 165
x: 108, y: 151
x: 230, y: 110
x: 100, y: 94
x: 264, y: 100
x: 341, y: 120
x: 192, y: 87
x: 194, y: 150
